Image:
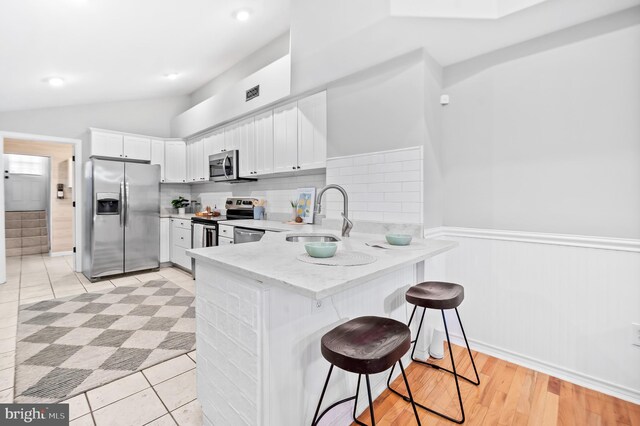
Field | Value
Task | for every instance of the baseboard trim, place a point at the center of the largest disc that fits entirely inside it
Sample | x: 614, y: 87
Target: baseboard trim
x: 60, y: 253
x: 618, y: 244
x: 627, y: 394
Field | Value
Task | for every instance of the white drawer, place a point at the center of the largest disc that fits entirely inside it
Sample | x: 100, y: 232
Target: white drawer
x: 225, y: 231
x: 181, y: 237
x: 179, y: 257
x: 182, y: 223
x: 224, y: 241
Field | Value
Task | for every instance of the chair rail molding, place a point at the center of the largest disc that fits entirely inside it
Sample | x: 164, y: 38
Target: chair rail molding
x: 603, y: 243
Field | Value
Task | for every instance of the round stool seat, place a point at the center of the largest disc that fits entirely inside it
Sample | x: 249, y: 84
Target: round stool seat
x: 366, y: 345
x: 436, y: 295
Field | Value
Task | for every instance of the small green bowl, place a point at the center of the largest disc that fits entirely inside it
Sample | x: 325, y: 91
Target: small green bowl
x: 321, y: 250
x: 398, y: 239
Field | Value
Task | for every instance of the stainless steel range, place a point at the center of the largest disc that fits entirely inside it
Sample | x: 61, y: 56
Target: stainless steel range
x: 204, y: 230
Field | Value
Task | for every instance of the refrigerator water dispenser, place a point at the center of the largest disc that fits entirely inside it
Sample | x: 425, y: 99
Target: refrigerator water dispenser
x: 107, y: 203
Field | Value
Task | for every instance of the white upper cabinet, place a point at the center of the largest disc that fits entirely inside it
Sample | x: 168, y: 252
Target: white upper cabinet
x: 312, y: 132
x: 263, y: 151
x: 285, y: 138
x: 195, y: 163
x: 137, y: 148
x: 232, y: 137
x: 121, y: 146
x: 157, y: 156
x: 106, y: 145
x: 175, y: 161
x: 247, y: 143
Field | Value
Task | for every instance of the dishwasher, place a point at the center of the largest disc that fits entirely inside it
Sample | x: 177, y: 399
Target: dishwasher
x: 244, y: 235
x: 203, y: 234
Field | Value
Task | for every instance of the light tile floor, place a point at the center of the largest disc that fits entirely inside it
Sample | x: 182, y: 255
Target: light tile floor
x: 164, y: 394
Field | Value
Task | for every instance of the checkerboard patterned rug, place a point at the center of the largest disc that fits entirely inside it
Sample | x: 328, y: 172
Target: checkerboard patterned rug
x: 70, y: 345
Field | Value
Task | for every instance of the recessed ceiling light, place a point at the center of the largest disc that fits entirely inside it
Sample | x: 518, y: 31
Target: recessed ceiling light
x: 172, y: 76
x: 55, y: 81
x: 242, y: 15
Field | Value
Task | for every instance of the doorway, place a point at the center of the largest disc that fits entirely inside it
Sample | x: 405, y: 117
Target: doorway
x: 27, y: 204
x: 21, y: 196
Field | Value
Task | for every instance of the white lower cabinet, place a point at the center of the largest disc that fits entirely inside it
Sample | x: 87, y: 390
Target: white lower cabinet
x: 165, y: 239
x: 224, y: 241
x: 180, y: 242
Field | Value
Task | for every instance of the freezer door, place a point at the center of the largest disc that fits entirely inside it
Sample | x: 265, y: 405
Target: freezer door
x: 141, y: 217
x: 107, y: 238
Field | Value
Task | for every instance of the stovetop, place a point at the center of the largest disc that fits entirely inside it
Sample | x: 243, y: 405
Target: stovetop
x: 211, y: 219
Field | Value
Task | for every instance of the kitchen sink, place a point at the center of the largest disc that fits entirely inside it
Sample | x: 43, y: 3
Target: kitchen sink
x: 311, y: 238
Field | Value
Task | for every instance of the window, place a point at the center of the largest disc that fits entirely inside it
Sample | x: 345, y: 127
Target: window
x: 26, y: 164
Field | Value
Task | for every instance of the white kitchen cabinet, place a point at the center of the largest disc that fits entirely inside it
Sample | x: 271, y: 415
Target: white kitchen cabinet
x: 157, y: 155
x: 175, y: 161
x: 224, y: 241
x: 263, y: 152
x: 247, y: 142
x: 165, y: 239
x: 312, y: 132
x: 285, y: 138
x: 136, y: 148
x: 180, y: 243
x: 105, y: 144
x: 195, y: 164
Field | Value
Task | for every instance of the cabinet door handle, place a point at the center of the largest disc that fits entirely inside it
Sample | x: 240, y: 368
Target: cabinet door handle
x: 298, y: 166
x: 294, y: 167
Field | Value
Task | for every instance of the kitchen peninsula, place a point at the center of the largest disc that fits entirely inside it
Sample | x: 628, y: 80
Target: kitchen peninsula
x: 261, y: 313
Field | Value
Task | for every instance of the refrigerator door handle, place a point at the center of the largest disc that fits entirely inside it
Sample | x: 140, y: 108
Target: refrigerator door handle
x: 126, y: 203
x: 121, y: 204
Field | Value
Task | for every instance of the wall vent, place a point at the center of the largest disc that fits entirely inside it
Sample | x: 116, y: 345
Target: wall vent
x: 254, y: 92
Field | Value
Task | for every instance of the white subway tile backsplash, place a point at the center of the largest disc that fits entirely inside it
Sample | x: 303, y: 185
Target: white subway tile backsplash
x: 385, y: 187
x: 412, y: 176
x: 412, y: 186
x: 411, y: 207
x: 382, y: 186
x: 403, y: 155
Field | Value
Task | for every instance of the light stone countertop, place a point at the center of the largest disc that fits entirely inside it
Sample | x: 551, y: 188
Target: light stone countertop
x: 272, y: 260
x: 187, y: 216
x: 269, y: 225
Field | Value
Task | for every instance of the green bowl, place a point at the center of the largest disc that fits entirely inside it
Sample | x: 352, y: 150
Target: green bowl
x: 398, y: 239
x: 322, y: 250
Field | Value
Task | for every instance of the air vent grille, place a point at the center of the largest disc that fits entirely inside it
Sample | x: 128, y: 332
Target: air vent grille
x: 252, y: 93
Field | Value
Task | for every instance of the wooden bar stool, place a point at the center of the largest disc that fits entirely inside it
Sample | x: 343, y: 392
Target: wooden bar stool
x: 365, y: 345
x: 438, y: 295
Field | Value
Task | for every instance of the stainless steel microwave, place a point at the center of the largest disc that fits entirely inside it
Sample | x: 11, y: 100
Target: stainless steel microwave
x: 223, y: 167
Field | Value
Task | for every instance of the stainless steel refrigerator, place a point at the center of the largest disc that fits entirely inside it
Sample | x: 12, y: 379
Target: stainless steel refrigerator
x: 122, y: 218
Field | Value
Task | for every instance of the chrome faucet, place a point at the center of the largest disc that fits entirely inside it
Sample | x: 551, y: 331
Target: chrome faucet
x: 346, y: 223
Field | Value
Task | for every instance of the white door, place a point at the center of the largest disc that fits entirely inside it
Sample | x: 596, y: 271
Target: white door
x: 157, y: 155
x: 232, y: 137
x: 106, y: 145
x: 285, y: 138
x: 176, y: 161
x: 197, y: 163
x: 136, y: 148
x: 264, y: 143
x: 312, y: 131
x: 246, y: 147
x: 26, y: 182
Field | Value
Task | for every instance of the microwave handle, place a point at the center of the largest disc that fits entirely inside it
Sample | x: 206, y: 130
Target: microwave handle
x: 224, y: 166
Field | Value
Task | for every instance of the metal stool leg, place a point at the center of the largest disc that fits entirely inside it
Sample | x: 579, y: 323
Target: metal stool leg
x: 324, y: 389
x: 373, y: 419
x: 453, y: 364
x: 406, y: 383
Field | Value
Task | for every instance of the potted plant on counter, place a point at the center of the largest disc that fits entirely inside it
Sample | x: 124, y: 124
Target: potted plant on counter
x: 180, y: 203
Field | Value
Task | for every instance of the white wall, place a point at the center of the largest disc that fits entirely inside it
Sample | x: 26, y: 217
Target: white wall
x: 268, y: 53
x: 148, y: 117
x: 549, y: 142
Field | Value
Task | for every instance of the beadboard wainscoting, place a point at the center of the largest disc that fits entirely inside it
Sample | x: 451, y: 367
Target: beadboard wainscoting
x: 559, y: 304
x: 383, y: 186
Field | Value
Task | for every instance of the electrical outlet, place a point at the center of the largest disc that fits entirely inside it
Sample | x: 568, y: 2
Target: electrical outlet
x: 635, y: 334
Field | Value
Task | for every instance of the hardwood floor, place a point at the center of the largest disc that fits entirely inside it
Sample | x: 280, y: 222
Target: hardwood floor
x: 508, y: 395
